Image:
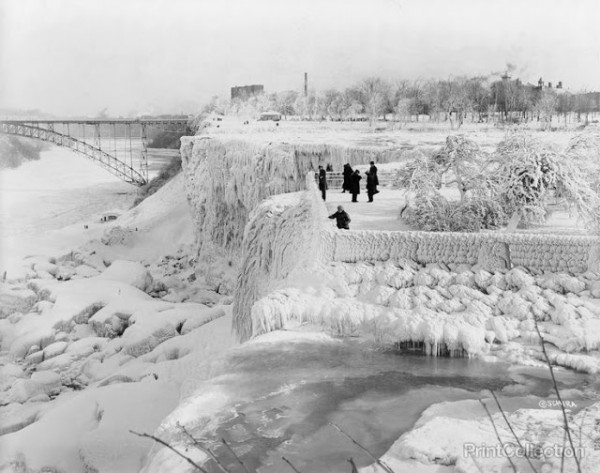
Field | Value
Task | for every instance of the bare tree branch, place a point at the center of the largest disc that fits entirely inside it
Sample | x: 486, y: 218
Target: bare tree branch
x: 235, y: 456
x: 562, y: 407
x: 207, y: 450
x: 512, y: 431
x: 162, y: 442
x: 498, y: 436
x: 354, y: 469
x: 373, y: 457
x: 290, y: 463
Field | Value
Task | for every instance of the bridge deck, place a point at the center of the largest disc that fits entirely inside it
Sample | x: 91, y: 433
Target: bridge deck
x: 117, y: 121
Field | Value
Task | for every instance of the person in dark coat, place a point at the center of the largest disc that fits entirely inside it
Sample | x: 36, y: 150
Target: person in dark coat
x: 373, y: 170
x: 371, y: 185
x: 322, y: 182
x: 355, y: 184
x: 342, y: 218
x: 347, y: 178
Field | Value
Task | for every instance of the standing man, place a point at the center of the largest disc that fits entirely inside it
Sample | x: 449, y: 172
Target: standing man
x: 373, y: 170
x: 355, y: 184
x: 322, y: 182
x: 371, y: 185
x: 347, y: 178
x: 342, y: 218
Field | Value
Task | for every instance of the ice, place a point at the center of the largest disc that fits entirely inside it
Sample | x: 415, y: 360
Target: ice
x: 138, y: 347
x: 447, y: 434
x: 15, y: 299
x: 128, y: 272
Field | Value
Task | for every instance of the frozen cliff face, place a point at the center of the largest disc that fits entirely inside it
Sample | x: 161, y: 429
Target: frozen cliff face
x: 228, y: 177
x: 282, y: 236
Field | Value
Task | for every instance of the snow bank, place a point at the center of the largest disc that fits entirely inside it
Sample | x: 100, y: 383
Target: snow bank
x: 463, y: 439
x: 129, y: 272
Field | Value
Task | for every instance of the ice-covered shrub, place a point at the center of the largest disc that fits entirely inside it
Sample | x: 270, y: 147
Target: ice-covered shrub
x: 527, y: 172
x: 432, y: 212
x: 460, y: 163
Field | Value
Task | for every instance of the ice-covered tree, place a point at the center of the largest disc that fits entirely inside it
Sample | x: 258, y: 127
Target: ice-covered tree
x: 528, y: 172
x: 459, y: 163
x: 286, y: 101
x: 545, y: 107
x: 375, y: 97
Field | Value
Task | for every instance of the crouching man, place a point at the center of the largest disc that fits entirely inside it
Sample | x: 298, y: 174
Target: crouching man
x: 342, y: 218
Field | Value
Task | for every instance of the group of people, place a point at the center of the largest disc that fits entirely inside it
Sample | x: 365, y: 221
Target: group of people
x: 352, y: 179
x: 351, y: 184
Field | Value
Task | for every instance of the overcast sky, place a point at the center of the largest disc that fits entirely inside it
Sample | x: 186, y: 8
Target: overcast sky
x: 152, y: 56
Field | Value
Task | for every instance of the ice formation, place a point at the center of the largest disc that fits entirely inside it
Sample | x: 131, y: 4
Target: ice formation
x: 449, y: 294
x: 461, y: 437
x: 228, y: 177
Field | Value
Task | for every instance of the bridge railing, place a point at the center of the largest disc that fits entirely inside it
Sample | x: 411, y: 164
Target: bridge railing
x: 46, y: 130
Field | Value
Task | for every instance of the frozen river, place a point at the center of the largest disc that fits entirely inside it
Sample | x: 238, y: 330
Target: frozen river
x: 279, y: 399
x: 44, y: 204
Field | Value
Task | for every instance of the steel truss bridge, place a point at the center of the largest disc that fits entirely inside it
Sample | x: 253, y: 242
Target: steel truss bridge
x: 119, y: 146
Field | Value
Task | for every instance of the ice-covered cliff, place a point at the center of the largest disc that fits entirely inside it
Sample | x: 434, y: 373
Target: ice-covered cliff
x: 229, y: 176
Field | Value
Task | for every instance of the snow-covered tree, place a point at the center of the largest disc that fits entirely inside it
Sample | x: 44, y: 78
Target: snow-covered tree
x: 528, y: 172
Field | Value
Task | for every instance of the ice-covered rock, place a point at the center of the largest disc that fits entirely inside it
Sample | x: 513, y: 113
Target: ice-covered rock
x: 149, y: 329
x: 15, y: 416
x: 41, y: 383
x: 86, y: 271
x: 128, y: 272
x: 55, y: 349
x: 15, y: 299
x: 517, y: 279
x: 46, y: 267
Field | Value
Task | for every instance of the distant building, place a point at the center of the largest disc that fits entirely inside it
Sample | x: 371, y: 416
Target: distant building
x: 274, y: 116
x: 246, y: 91
x: 542, y: 84
x: 108, y: 216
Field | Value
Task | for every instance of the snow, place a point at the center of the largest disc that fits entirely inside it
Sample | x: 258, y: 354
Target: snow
x: 129, y: 272
x: 73, y: 393
x: 125, y: 332
x: 54, y: 196
x: 452, y: 434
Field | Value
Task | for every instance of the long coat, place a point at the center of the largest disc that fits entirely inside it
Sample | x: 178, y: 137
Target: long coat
x: 355, y: 184
x: 347, y: 177
x: 373, y: 170
x: 322, y: 180
x: 371, y: 183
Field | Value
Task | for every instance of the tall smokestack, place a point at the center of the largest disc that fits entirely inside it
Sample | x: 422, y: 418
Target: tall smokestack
x: 306, y: 84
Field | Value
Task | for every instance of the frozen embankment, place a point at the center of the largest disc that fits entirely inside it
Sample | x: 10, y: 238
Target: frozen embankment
x: 94, y: 344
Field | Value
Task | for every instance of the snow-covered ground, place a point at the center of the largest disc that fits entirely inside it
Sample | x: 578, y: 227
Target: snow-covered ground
x: 112, y: 332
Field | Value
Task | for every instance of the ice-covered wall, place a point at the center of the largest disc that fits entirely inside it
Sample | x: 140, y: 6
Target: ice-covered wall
x: 493, y: 251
